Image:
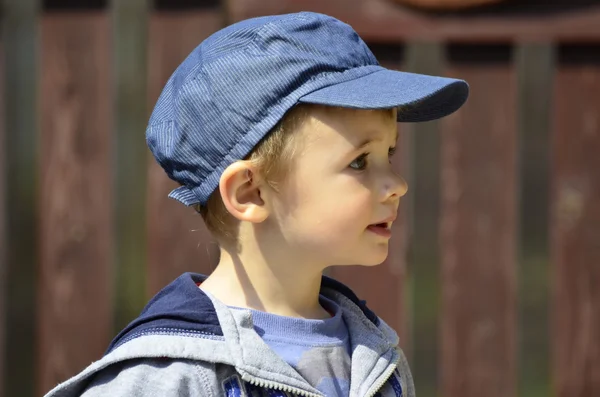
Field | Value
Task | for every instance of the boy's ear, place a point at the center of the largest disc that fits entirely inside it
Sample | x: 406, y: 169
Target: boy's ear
x: 240, y: 190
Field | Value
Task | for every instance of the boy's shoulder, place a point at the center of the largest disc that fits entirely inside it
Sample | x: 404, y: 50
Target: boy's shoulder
x: 153, y: 377
x: 123, y: 374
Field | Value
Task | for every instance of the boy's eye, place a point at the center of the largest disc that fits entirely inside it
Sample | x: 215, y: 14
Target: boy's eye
x: 359, y: 163
x: 391, y: 152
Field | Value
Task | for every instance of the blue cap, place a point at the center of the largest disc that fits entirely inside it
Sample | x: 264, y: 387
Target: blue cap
x: 239, y: 83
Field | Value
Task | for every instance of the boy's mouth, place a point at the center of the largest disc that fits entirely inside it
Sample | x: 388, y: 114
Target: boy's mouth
x: 386, y: 225
x: 382, y: 228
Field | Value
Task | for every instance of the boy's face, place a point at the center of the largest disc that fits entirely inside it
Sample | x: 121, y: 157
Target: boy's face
x: 341, y: 185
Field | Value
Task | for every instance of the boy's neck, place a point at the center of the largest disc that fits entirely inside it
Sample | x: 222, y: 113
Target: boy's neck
x: 251, y: 281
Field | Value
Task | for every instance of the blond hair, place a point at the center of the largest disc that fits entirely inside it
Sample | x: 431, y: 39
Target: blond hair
x: 271, y: 158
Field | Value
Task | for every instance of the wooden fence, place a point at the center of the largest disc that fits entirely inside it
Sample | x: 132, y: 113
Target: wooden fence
x: 493, y: 278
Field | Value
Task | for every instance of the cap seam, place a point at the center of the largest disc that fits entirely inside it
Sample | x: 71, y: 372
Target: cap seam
x: 201, y: 67
x: 258, y: 32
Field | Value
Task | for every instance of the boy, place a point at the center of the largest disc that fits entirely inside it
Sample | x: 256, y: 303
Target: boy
x: 279, y: 130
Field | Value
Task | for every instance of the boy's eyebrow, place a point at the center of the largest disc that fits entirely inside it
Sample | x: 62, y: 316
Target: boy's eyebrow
x: 367, y: 141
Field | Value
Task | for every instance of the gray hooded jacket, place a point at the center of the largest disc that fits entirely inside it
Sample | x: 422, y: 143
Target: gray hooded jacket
x: 187, y: 343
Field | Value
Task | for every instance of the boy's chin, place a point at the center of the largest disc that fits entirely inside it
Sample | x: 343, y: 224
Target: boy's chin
x: 371, y: 259
x: 373, y: 263
x: 364, y: 256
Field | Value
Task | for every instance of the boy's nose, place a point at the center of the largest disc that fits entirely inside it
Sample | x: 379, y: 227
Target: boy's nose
x: 396, y: 187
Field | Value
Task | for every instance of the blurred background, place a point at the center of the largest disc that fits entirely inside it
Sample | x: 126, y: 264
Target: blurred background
x: 493, y: 277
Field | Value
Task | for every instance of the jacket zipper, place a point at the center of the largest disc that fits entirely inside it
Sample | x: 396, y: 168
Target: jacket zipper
x: 277, y: 386
x: 383, y: 378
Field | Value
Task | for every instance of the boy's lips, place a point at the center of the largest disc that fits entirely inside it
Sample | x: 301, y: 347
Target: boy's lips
x: 383, y: 228
x: 387, y: 222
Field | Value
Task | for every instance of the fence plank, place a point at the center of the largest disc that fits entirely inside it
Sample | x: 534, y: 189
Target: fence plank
x: 3, y: 246
x: 19, y: 22
x: 574, y: 225
x: 478, y: 225
x: 382, y: 20
x: 75, y: 222
x: 424, y: 257
x: 177, y: 239
x: 131, y: 116
x: 535, y: 74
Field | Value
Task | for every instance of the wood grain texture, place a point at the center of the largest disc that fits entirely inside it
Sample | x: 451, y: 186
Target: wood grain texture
x: 74, y: 305
x: 446, y: 5
x: 382, y: 20
x: 575, y: 230
x: 478, y: 227
x: 177, y: 237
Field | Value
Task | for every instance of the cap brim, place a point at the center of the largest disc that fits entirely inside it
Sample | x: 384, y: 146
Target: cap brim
x: 419, y: 97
